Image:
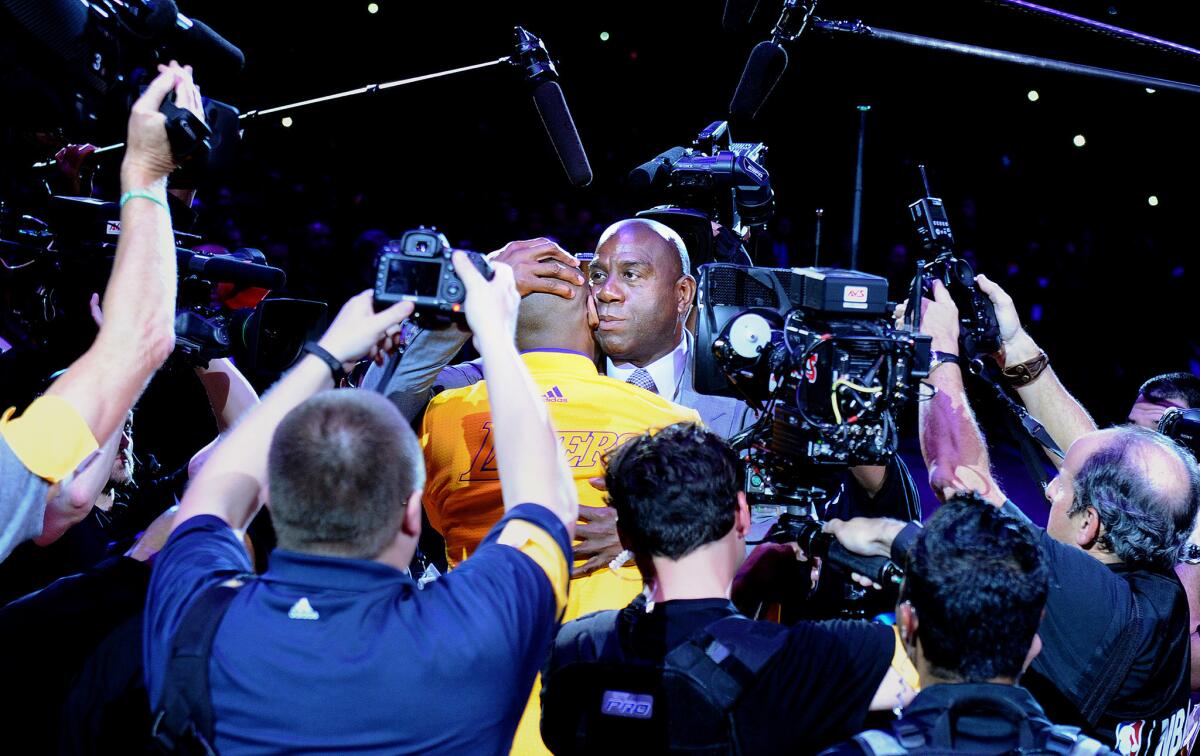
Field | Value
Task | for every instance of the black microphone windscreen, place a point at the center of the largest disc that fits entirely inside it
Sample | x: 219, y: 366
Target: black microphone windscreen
x: 763, y: 70
x: 161, y: 19
x: 552, y: 107
x: 210, y: 53
x: 738, y: 14
x: 231, y: 270
x: 648, y: 173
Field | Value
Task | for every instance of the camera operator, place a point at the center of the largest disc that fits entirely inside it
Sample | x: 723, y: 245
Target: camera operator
x: 1028, y: 369
x: 970, y: 561
x: 682, y: 669
x: 1115, y: 632
x: 1161, y: 393
x: 59, y: 431
x: 320, y: 652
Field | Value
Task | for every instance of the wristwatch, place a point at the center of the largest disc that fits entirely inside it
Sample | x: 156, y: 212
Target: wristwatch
x: 940, y: 358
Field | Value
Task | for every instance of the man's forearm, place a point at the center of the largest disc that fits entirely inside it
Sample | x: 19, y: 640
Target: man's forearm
x: 229, y: 393
x: 230, y: 482
x: 531, y: 464
x: 951, y: 442
x: 1047, y: 399
x: 139, y: 312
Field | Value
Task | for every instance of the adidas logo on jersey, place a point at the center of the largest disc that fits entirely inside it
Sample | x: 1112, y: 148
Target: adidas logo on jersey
x: 554, y: 395
x: 302, y: 610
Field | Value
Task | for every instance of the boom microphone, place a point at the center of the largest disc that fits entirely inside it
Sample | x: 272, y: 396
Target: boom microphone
x: 738, y: 14
x: 532, y: 56
x: 764, y: 68
x: 228, y: 269
x: 552, y: 107
x: 196, y: 43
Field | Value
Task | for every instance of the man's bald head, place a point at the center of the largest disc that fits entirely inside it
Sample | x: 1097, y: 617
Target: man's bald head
x: 549, y: 321
x: 1145, y: 489
x: 654, y: 235
x: 643, y: 288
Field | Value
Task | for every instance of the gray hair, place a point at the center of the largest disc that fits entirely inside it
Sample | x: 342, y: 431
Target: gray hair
x: 1146, y: 521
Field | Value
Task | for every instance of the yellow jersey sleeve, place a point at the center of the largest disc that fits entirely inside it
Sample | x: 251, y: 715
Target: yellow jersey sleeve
x: 541, y: 547
x: 50, y: 438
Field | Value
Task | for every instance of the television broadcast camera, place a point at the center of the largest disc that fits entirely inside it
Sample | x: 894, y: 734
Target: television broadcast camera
x: 814, y: 351
x: 715, y: 180
x: 417, y: 268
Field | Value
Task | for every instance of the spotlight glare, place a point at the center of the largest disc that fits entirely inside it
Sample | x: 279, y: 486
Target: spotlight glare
x: 1152, y: 200
x: 1079, y: 140
x: 603, y: 36
x: 1150, y: 90
x: 286, y: 121
x: 372, y: 8
x: 1033, y: 95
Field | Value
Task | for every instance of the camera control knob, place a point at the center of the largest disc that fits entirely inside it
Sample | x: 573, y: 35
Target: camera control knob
x: 454, y: 291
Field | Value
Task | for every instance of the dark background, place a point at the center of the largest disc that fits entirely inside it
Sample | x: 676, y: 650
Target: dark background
x: 1103, y: 280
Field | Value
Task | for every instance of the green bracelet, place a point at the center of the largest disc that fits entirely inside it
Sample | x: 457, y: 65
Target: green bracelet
x: 144, y: 194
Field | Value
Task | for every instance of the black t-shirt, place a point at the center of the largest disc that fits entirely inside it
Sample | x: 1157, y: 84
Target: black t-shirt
x: 1087, y: 609
x: 814, y: 692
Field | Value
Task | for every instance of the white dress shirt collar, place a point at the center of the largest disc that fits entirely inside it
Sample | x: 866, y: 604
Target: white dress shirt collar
x: 667, y: 371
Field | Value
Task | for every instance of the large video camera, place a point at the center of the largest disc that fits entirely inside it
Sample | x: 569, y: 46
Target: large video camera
x: 222, y: 310
x: 714, y: 180
x: 814, y: 351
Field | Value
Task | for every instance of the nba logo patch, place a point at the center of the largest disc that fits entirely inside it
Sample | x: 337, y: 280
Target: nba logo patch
x: 1129, y: 737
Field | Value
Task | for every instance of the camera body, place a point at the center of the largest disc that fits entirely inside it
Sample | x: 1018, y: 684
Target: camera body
x: 814, y: 351
x: 417, y: 268
x: 1183, y: 426
x: 979, y: 331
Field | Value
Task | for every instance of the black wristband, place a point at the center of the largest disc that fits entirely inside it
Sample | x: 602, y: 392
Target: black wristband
x: 335, y: 365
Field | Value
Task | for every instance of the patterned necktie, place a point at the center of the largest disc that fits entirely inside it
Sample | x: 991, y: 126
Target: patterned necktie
x: 641, y: 378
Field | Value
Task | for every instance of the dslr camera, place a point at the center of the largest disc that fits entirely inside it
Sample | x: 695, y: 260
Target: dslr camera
x: 979, y: 331
x: 417, y: 268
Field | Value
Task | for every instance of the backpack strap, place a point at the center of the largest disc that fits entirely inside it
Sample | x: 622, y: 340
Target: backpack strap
x: 590, y: 638
x: 1063, y: 740
x: 183, y: 721
x: 880, y: 743
x: 725, y: 658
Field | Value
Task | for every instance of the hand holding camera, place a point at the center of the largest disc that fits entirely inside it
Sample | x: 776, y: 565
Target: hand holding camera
x: 417, y: 268
x: 148, y: 155
x: 358, y: 331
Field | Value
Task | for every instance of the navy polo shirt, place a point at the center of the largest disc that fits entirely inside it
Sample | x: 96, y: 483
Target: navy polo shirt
x: 322, y: 654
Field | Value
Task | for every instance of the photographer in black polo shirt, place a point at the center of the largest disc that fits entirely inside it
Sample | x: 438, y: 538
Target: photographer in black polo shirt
x: 974, y: 590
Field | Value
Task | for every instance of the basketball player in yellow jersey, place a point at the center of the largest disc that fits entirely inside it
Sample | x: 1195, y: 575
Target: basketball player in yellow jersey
x: 593, y: 414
